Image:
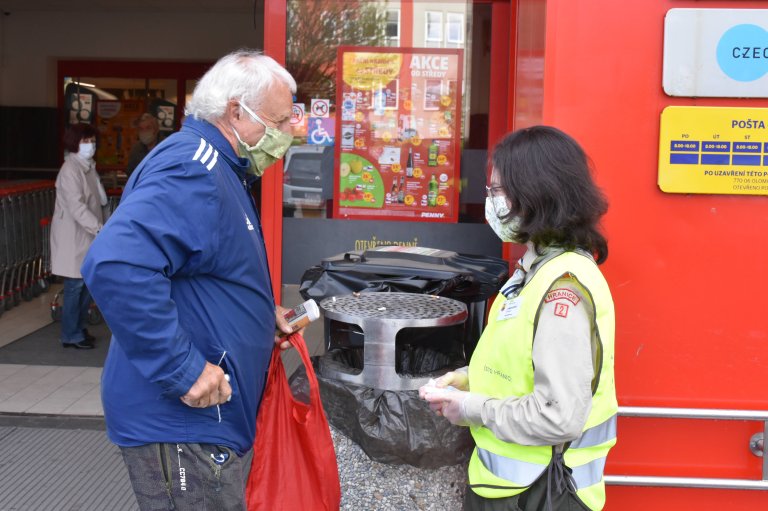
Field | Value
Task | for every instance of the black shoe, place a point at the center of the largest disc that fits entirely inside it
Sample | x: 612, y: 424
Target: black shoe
x: 88, y: 337
x: 82, y: 345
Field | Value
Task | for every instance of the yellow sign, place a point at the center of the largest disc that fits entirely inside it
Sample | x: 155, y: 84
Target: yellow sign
x: 366, y: 71
x: 714, y: 150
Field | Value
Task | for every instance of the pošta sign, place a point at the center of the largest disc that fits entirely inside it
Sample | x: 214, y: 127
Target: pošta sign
x: 714, y: 150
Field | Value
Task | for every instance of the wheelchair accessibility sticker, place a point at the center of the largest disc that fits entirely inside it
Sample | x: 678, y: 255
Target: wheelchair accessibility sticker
x: 321, y: 131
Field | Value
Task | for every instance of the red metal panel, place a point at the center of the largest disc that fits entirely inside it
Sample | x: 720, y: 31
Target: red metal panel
x: 682, y: 268
x: 275, y: 14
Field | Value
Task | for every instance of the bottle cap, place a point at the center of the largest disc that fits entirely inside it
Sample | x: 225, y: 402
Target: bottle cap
x: 313, y: 311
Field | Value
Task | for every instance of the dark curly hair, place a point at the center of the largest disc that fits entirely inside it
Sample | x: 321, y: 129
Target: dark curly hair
x: 74, y: 133
x: 547, y: 177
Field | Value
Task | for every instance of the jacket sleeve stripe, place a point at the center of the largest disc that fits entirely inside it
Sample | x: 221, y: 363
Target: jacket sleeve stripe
x: 200, y: 149
x: 207, y: 155
x: 213, y: 161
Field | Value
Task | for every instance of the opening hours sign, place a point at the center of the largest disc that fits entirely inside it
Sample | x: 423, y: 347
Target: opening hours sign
x: 714, y: 150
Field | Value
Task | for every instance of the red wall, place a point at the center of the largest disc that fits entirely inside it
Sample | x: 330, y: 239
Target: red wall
x: 685, y: 270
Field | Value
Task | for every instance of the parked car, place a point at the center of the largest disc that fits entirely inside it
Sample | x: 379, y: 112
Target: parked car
x: 304, y: 181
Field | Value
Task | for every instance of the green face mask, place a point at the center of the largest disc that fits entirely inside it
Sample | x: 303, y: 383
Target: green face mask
x: 268, y: 150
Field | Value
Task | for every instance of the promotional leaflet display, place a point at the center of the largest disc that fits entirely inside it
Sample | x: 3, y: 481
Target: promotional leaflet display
x: 398, y: 133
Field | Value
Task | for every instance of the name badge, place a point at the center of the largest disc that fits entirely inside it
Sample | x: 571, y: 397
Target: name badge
x: 510, y: 308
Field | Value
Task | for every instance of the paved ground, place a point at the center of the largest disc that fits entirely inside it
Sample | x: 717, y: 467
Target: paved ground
x: 42, y: 347
x: 60, y: 463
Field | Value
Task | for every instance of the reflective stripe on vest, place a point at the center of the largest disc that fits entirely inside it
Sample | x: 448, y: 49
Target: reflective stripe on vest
x: 596, y: 435
x: 521, y: 472
x: 524, y: 473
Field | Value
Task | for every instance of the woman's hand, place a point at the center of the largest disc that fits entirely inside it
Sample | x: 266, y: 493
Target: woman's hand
x: 456, y: 379
x: 448, y: 403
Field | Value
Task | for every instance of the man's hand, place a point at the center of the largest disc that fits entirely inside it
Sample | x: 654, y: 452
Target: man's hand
x: 282, y: 326
x: 210, y: 389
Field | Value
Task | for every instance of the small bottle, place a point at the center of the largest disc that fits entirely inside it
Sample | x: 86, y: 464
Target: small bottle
x: 301, y: 315
x: 401, y: 190
x: 409, y: 164
x: 393, y: 191
x: 432, y: 191
x: 432, y: 155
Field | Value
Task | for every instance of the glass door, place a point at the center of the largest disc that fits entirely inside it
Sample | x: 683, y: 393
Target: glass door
x: 397, y: 130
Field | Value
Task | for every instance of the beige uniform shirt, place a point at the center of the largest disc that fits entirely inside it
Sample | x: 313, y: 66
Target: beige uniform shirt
x: 563, y: 359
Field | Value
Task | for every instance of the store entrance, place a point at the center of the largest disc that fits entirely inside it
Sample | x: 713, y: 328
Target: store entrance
x: 397, y: 104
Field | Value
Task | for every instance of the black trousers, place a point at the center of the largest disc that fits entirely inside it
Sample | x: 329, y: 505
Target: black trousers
x: 187, y: 477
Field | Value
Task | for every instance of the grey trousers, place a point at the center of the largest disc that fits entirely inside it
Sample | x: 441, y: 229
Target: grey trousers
x: 187, y: 477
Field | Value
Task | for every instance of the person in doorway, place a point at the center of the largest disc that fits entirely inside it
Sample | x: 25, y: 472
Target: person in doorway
x: 77, y: 217
x: 148, y: 130
x: 180, y: 274
x: 538, y: 394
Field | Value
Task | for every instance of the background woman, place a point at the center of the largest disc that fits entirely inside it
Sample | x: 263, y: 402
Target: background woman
x: 539, y: 393
x: 77, y: 218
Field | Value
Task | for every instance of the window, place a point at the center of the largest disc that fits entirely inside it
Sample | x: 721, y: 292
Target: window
x: 454, y: 28
x: 434, y: 27
x: 392, y: 29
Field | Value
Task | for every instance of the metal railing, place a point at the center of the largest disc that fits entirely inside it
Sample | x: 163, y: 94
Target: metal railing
x: 757, y: 445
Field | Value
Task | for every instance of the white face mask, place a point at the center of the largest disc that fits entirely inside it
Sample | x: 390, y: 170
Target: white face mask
x: 496, y: 207
x: 86, y: 150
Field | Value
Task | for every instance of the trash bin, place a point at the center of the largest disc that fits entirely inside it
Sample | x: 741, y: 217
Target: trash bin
x: 383, y: 342
x: 404, y: 338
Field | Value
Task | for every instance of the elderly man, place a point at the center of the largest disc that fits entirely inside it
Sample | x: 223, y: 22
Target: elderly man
x: 180, y: 273
x: 148, y: 130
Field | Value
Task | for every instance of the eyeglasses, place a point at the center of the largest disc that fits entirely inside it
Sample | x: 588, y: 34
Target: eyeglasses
x: 494, y: 191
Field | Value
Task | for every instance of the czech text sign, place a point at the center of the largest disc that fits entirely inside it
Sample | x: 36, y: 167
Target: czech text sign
x: 716, y: 53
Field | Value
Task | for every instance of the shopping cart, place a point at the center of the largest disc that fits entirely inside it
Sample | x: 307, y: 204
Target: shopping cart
x: 23, y: 239
x: 113, y: 200
x: 94, y: 314
x: 5, y: 244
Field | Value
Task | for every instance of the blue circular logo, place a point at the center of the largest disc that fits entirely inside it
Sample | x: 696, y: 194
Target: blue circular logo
x: 742, y: 52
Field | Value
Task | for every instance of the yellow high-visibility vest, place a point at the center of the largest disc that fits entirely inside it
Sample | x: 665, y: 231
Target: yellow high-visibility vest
x: 502, y: 366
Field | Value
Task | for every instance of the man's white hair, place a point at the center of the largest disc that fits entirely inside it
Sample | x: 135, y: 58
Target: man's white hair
x: 243, y: 74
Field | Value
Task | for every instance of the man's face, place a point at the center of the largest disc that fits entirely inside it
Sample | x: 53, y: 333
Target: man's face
x: 147, y: 127
x: 275, y: 111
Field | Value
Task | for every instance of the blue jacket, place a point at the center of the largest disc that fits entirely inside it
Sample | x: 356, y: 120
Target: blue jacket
x: 180, y: 274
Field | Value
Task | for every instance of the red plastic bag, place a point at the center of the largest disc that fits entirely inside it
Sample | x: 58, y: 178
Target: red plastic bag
x: 294, y: 464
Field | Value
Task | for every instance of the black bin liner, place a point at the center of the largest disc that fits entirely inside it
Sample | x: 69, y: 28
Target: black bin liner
x: 468, y: 278
x: 393, y: 427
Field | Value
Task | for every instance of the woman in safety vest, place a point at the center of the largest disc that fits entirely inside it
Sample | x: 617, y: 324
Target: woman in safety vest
x: 538, y: 394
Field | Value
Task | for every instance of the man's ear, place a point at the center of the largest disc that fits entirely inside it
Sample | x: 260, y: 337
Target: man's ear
x: 234, y: 109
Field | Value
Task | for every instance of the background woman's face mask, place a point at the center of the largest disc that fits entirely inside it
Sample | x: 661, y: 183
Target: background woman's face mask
x: 272, y: 146
x: 86, y: 150
x: 496, y: 207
